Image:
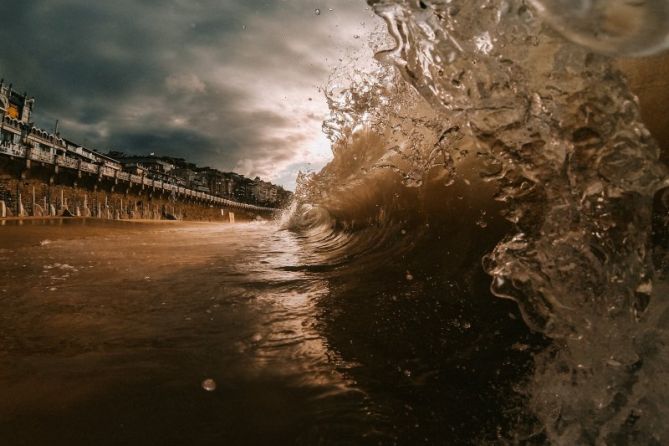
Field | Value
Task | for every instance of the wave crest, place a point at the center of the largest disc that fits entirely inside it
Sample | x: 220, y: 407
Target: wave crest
x: 493, y: 94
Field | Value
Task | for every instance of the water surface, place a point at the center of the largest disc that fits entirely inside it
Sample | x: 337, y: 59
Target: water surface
x: 109, y: 329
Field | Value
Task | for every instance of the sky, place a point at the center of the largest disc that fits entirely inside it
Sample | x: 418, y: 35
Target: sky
x: 233, y: 85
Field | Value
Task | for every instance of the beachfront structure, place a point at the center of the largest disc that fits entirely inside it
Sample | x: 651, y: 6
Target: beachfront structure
x: 21, y: 139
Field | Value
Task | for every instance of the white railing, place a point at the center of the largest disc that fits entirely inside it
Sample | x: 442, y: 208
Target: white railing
x: 38, y: 155
x: 123, y: 175
x: 88, y: 167
x: 12, y: 149
x: 66, y: 162
x: 136, y: 179
x: 107, y: 171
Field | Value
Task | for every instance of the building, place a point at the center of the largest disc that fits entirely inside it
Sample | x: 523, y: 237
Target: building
x: 14, y: 105
x: 16, y: 110
x: 151, y: 162
x: 213, y: 179
x: 19, y: 138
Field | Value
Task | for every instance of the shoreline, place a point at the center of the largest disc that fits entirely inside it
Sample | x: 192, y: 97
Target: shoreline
x: 34, y: 231
x: 60, y: 217
x: 118, y: 220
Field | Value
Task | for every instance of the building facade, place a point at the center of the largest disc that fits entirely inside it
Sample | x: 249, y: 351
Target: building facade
x: 19, y: 138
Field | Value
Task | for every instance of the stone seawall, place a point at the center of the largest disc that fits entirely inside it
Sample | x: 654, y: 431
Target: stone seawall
x: 40, y: 191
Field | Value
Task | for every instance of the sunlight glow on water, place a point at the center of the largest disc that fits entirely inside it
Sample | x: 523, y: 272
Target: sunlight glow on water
x: 130, y: 316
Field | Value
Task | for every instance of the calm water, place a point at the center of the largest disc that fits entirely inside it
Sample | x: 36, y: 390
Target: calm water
x: 108, y: 330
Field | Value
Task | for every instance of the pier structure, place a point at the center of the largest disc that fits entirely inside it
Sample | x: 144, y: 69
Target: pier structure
x: 34, y: 163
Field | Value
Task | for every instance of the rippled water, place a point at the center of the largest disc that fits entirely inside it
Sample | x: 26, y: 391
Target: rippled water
x: 110, y: 329
x: 517, y: 103
x: 486, y: 157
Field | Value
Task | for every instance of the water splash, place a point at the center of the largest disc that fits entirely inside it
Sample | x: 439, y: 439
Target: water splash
x: 610, y: 26
x: 578, y: 171
x: 209, y: 385
x: 557, y: 131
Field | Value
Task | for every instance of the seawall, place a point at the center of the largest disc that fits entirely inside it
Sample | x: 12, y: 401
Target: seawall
x: 40, y: 190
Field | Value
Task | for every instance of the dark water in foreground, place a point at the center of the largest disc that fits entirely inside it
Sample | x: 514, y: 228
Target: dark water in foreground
x: 108, y: 329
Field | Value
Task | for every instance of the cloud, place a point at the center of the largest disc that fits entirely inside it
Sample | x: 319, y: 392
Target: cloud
x: 186, y: 83
x: 221, y: 83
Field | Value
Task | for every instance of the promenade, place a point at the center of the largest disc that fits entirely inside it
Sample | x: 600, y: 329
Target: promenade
x: 25, y: 162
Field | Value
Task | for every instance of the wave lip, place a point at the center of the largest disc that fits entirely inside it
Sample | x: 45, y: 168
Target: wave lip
x: 557, y: 134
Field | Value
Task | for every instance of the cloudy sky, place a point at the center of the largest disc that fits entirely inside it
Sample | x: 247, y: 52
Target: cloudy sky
x: 233, y: 84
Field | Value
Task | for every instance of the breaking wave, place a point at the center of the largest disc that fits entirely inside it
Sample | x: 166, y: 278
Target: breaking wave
x: 484, y: 116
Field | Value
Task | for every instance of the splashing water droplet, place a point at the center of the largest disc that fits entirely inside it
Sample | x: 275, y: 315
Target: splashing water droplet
x: 209, y: 385
x: 473, y: 63
x: 481, y: 221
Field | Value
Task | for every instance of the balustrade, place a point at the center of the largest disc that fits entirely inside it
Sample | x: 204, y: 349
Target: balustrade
x: 10, y: 149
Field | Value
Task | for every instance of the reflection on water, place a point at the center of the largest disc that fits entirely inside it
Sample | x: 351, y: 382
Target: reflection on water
x: 110, y: 330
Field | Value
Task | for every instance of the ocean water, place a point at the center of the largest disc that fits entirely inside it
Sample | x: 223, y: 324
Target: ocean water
x: 509, y: 115
x: 110, y: 329
x: 484, y: 261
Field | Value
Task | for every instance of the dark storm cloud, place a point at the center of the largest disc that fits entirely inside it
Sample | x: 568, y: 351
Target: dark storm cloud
x: 173, y: 76
x: 156, y: 140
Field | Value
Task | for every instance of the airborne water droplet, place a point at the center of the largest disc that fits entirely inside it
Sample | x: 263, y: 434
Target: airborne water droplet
x: 209, y: 385
x: 317, y: 11
x: 481, y: 221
